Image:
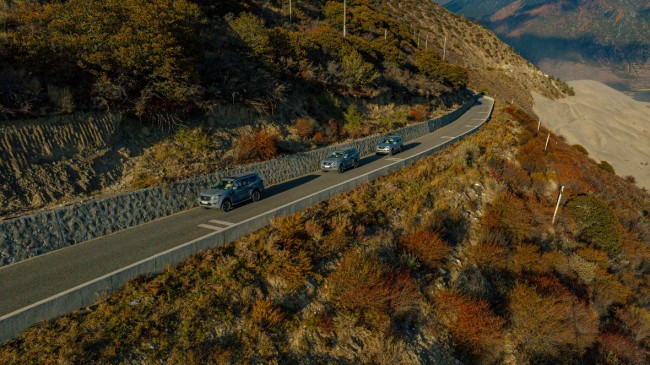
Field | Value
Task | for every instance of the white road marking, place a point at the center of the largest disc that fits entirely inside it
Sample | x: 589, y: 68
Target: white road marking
x: 395, y: 159
x: 447, y: 137
x: 215, y: 228
x: 227, y: 224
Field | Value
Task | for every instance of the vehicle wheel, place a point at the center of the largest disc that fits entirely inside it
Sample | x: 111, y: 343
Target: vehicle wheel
x: 226, y: 205
x: 391, y: 152
x: 400, y: 148
x: 256, y: 196
x: 356, y: 163
x: 341, y: 169
x: 202, y: 207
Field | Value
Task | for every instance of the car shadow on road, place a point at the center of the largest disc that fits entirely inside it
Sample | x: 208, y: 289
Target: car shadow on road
x: 288, y: 185
x: 408, y: 146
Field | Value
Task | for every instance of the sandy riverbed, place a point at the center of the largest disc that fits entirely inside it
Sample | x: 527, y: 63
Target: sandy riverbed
x: 609, y: 124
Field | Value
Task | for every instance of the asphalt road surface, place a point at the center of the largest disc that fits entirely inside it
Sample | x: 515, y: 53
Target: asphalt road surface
x: 38, y: 278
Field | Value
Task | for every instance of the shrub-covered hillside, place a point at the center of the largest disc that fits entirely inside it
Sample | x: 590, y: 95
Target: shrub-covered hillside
x: 152, y: 57
x: 199, y: 85
x: 453, y: 257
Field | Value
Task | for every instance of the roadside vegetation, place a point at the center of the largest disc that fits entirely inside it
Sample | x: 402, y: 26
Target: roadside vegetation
x: 454, y: 256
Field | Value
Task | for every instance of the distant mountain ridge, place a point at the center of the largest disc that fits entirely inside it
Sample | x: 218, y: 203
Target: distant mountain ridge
x: 611, y: 35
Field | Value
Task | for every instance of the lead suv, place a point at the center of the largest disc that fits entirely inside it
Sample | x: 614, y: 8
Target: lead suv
x: 232, y: 190
x: 340, y: 160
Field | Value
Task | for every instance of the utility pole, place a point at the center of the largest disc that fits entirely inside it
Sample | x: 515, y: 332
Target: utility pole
x: 426, y: 42
x: 345, y: 5
x: 385, y: 33
x: 557, y: 206
x: 290, y: 8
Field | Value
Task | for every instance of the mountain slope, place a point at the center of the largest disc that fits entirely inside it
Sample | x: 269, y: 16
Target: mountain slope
x: 192, y: 81
x: 454, y: 257
x: 614, y: 35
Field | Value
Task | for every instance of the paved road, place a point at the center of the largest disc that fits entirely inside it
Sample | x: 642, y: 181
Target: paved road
x: 41, y: 277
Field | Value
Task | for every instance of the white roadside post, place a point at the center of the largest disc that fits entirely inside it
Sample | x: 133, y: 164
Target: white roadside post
x: 345, y: 5
x: 539, y: 124
x: 547, y: 139
x: 557, y: 206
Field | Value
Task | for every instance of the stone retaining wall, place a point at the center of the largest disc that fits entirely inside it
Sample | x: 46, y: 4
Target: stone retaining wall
x: 32, y: 235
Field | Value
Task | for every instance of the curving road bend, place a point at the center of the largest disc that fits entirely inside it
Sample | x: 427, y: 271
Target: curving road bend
x: 41, y: 277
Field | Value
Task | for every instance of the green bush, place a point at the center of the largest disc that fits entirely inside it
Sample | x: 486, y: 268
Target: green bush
x: 580, y: 149
x: 607, y: 167
x: 353, y: 119
x: 596, y: 223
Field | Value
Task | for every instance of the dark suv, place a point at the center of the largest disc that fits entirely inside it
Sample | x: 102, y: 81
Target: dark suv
x: 340, y: 160
x: 232, y: 190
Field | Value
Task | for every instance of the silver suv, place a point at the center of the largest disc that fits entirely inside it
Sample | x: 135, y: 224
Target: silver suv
x: 390, y: 145
x: 340, y: 160
x: 232, y: 190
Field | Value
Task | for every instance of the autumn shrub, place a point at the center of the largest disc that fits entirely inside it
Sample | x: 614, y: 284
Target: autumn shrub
x: 417, y: 113
x: 549, y: 326
x: 305, y: 128
x: 429, y: 248
x: 266, y: 314
x: 260, y: 146
x: 361, y: 284
x: 596, y: 223
x: 319, y: 139
x: 531, y: 156
x: 617, y: 348
x: 507, y: 221
x: 634, y: 321
x: 472, y: 325
x: 607, y: 167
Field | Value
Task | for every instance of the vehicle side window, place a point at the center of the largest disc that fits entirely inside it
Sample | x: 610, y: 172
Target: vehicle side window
x: 243, y: 182
x: 252, y: 180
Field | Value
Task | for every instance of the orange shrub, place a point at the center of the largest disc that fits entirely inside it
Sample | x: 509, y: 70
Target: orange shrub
x: 531, y: 156
x: 260, y: 146
x: 319, y: 138
x: 361, y: 284
x: 473, y: 326
x: 507, y: 221
x: 622, y: 347
x: 418, y: 113
x: 549, y: 326
x: 427, y: 246
x: 304, y: 127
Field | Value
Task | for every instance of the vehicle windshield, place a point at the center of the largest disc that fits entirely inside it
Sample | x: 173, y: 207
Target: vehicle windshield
x: 389, y: 141
x: 222, y: 185
x: 335, y: 154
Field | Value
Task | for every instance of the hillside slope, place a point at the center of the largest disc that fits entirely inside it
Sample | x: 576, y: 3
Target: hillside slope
x: 454, y: 258
x: 219, y: 83
x: 569, y: 38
